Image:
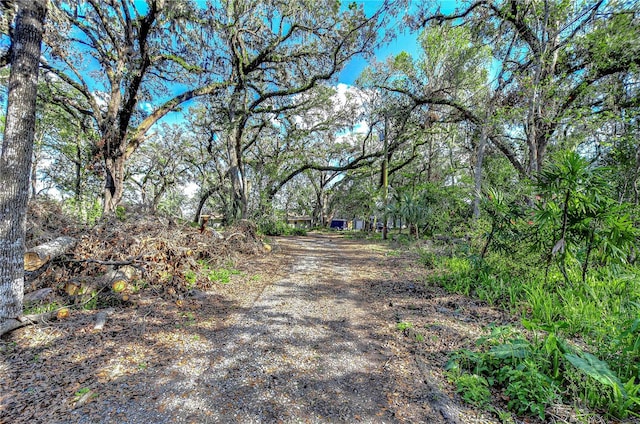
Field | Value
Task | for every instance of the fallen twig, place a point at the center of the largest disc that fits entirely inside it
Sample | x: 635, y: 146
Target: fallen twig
x: 131, y: 262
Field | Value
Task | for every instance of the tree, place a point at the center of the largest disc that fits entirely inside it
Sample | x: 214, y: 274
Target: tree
x: 63, y: 158
x: 556, y: 60
x: 159, y: 166
x: 113, y: 57
x: 17, y: 149
x: 273, y: 54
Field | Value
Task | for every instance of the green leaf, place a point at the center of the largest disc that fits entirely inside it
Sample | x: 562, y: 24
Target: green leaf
x: 516, y: 349
x: 596, y: 369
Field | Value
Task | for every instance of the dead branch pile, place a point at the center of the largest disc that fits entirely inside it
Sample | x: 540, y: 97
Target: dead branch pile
x: 46, y: 221
x: 114, y: 260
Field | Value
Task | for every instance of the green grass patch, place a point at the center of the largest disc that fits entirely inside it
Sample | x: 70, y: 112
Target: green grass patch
x: 603, y: 313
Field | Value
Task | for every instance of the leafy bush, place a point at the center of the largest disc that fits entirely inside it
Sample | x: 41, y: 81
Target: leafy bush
x: 531, y: 375
x: 296, y: 232
x: 272, y: 227
x: 275, y: 227
x: 121, y: 213
x: 474, y: 389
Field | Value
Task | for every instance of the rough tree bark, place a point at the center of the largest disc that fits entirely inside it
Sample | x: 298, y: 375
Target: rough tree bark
x: 17, y: 149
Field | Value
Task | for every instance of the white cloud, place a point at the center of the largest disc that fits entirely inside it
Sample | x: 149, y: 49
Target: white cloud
x: 146, y: 107
x: 361, y: 127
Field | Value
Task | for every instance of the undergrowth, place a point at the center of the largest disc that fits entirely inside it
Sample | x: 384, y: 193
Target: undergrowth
x: 274, y: 227
x: 533, y: 372
x: 564, y: 262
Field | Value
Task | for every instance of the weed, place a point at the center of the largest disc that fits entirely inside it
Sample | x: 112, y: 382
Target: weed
x: 82, y: 391
x: 189, y: 319
x: 139, y: 285
x: 402, y: 326
x: 39, y: 309
x: 121, y: 213
x: 532, y: 374
x: 222, y: 275
x: 504, y: 416
x: 428, y: 259
x: 528, y: 390
x: 191, y: 278
x: 92, y: 303
x: 474, y: 389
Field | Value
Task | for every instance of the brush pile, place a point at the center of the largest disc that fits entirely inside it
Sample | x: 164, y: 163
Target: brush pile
x: 111, y: 262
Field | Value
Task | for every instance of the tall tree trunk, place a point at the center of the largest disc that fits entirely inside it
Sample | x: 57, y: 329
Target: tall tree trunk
x: 203, y: 200
x: 114, y: 183
x: 477, y: 174
x: 385, y: 180
x: 17, y: 150
x: 238, y: 194
x: 37, y: 154
x: 78, y: 181
x: 155, y: 202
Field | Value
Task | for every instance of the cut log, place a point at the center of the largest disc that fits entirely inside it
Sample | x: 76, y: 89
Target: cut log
x: 12, y: 324
x: 117, y: 280
x: 101, y: 318
x: 36, y: 257
x: 38, y: 295
x: 126, y: 273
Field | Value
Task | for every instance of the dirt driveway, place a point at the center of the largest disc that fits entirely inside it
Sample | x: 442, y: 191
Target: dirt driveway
x: 307, y: 333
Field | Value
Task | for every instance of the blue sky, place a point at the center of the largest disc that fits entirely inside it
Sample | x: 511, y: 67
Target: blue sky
x: 406, y: 40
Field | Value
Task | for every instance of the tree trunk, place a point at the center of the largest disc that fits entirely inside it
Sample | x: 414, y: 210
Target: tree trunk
x: 114, y: 183
x: 17, y: 151
x: 238, y: 193
x: 37, y: 154
x: 238, y: 196
x: 157, y: 197
x: 477, y: 174
x: 203, y: 199
x: 78, y: 176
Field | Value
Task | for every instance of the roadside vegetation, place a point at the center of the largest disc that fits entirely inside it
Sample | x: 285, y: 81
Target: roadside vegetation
x: 158, y: 142
x: 561, y: 255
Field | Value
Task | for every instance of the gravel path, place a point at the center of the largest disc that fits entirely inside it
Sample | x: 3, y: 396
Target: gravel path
x: 300, y: 353
x: 297, y: 355
x: 314, y: 340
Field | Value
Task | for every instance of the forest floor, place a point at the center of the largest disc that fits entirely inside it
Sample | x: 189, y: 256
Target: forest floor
x: 306, y: 333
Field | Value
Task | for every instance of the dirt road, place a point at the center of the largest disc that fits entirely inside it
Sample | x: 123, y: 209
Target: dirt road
x: 309, y: 335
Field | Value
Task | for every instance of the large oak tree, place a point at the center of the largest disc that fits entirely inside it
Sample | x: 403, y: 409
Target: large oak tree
x: 17, y: 149
x: 126, y: 65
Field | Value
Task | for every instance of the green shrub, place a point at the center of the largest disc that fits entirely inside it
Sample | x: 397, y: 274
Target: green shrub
x: 474, y: 389
x: 272, y: 227
x: 528, y: 390
x: 531, y: 375
x: 297, y: 232
x: 121, y: 213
